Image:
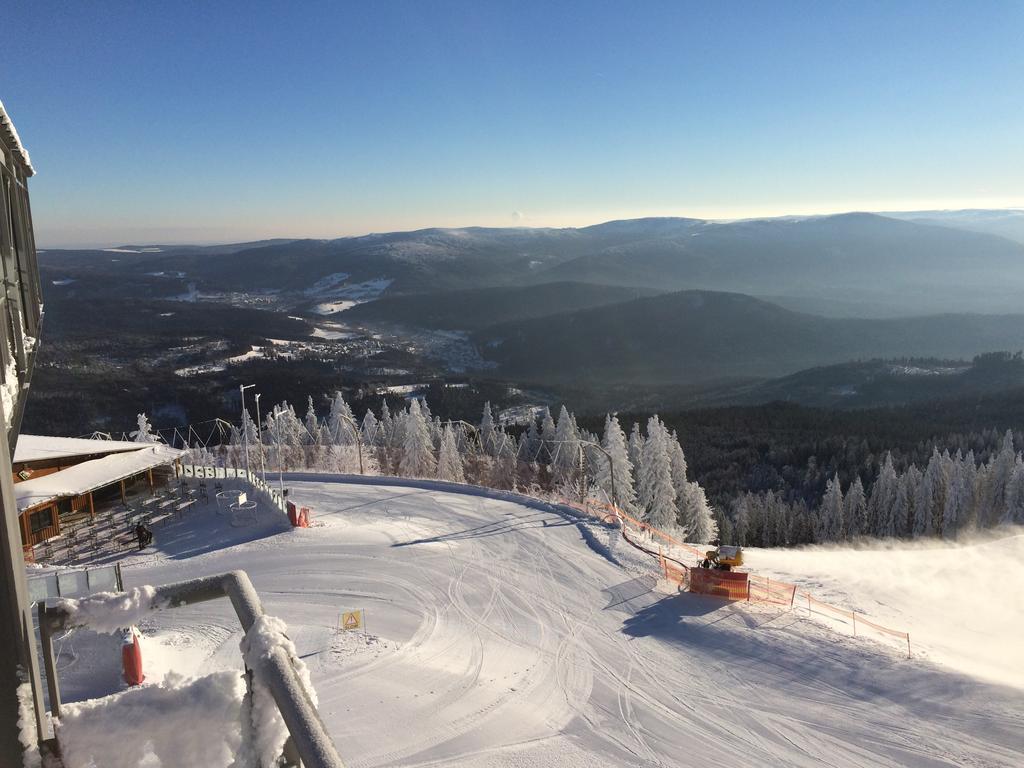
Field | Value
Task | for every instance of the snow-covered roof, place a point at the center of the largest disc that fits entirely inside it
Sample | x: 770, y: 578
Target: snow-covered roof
x: 8, y: 130
x: 90, y: 475
x: 42, y: 447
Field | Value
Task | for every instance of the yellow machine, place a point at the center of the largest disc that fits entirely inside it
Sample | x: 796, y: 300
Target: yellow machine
x: 725, y: 558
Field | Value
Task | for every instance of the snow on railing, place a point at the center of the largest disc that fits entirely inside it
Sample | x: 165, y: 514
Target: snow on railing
x: 282, y: 722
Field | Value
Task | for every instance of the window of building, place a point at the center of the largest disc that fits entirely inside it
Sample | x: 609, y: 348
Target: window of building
x: 40, y: 520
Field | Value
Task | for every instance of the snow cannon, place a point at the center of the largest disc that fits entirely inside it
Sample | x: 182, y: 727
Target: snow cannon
x: 724, y: 558
x: 131, y: 656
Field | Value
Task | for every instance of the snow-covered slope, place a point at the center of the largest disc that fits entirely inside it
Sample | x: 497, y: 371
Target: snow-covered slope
x: 499, y: 635
x: 963, y: 603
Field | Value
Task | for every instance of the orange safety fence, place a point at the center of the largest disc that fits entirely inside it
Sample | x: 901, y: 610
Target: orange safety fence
x: 730, y: 585
x: 765, y: 590
x: 814, y: 605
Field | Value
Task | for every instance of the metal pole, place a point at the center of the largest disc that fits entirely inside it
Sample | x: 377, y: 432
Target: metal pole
x: 245, y: 432
x: 259, y: 434
x: 280, y: 461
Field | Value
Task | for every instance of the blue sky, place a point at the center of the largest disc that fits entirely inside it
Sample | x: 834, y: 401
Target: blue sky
x: 203, y: 122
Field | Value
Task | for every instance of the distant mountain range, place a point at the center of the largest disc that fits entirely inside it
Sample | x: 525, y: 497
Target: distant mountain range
x: 693, y: 337
x: 855, y: 264
x: 675, y: 305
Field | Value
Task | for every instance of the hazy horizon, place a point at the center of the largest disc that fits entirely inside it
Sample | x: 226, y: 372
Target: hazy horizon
x: 239, y: 121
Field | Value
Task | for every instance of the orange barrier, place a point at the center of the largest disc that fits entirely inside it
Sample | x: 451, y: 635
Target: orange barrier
x: 764, y: 590
x: 814, y: 605
x: 730, y: 585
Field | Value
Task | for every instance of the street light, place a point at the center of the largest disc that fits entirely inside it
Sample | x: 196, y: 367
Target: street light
x: 245, y: 432
x: 278, y: 410
x: 259, y: 435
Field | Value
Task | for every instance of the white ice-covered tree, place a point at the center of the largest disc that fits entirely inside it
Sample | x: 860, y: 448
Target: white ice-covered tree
x: 855, y: 511
x: 449, y: 461
x: 547, y: 437
x: 830, y: 518
x: 341, y: 422
x: 615, y: 449
x: 704, y: 529
x: 144, y: 433
x: 881, y: 517
x: 417, y: 459
x: 655, y: 492
x: 565, y: 460
x: 488, y: 433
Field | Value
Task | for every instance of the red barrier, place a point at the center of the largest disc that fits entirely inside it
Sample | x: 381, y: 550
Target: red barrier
x: 131, y: 657
x: 731, y: 585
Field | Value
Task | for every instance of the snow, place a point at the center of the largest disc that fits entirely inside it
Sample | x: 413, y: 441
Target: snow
x: 331, y: 307
x: 9, y: 388
x: 63, y: 280
x: 961, y: 602
x: 90, y: 475
x: 253, y: 353
x: 345, y: 296
x: 265, y: 636
x: 28, y: 732
x: 108, y: 612
x: 177, y: 722
x: 42, y: 447
x: 512, y: 635
x: 331, y: 333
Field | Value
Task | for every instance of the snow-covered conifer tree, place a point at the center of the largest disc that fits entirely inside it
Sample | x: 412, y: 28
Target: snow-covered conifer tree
x: 417, y: 458
x: 341, y: 422
x: 449, y: 462
x: 488, y: 436
x: 856, y: 509
x: 880, y: 518
x: 614, y: 444
x: 145, y: 433
x: 655, y: 492
x: 830, y: 520
x: 565, y: 461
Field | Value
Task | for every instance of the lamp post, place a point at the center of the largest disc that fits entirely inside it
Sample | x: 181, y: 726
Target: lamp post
x: 245, y: 432
x: 259, y: 436
x: 278, y: 410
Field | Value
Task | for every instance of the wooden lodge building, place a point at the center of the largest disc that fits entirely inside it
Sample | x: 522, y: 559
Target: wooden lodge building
x: 65, y: 478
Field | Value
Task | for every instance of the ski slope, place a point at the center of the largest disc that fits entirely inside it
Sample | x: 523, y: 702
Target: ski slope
x: 500, y: 635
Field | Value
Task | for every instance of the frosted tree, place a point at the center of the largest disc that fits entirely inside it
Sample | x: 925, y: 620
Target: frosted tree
x: 547, y: 437
x: 930, y: 500
x: 565, y: 461
x: 906, y: 501
x: 311, y: 423
x: 417, y: 458
x: 968, y: 513
x: 830, y: 522
x: 855, y: 511
x: 488, y: 434
x: 503, y: 465
x: 614, y: 444
x: 704, y: 529
x: 1014, y: 513
x: 636, y: 445
x: 655, y: 492
x: 341, y: 422
x: 370, y: 428
x: 449, y: 461
x: 677, y: 467
x: 741, y: 519
x: 957, y: 499
x: 998, y: 475
x: 880, y: 517
x: 145, y: 433
x: 533, y: 442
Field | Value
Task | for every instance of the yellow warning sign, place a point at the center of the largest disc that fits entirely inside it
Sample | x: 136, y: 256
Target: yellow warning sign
x: 351, y: 620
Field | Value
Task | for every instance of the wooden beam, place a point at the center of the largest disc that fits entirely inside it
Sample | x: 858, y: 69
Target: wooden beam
x: 92, y: 508
x: 124, y: 499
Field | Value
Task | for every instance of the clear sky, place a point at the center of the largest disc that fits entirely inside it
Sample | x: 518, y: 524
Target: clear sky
x: 195, y: 121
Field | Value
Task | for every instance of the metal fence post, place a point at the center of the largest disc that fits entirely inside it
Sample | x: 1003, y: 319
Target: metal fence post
x: 49, y: 663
